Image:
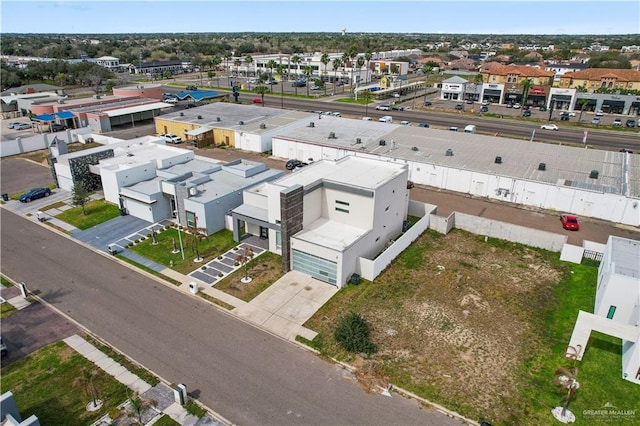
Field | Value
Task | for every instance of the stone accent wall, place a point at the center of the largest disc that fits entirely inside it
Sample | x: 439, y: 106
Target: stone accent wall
x: 291, y: 211
x: 79, y: 167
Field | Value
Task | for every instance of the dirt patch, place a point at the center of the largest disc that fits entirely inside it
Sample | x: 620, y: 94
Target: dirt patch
x: 454, y: 318
x: 264, y: 270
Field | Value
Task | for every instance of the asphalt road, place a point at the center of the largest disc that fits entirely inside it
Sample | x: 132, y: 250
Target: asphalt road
x: 243, y: 373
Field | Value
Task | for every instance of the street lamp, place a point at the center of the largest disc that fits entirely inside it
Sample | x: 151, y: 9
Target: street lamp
x: 179, y: 233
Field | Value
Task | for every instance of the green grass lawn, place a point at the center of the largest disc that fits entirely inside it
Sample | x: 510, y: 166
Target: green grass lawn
x: 97, y: 212
x: 162, y: 252
x: 42, y: 384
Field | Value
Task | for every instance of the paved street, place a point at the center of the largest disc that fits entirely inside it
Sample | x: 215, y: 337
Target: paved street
x: 243, y: 373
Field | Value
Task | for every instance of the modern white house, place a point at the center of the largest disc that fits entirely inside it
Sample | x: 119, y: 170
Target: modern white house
x: 324, y: 218
x: 617, y: 307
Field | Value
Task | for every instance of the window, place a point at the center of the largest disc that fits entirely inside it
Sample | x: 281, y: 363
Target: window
x: 191, y: 219
x: 344, y: 203
x: 278, y: 240
x: 612, y: 311
x: 338, y: 209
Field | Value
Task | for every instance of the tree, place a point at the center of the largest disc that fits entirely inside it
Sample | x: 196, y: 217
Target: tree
x: 346, y: 61
x: 271, y: 65
x: 360, y: 63
x: 244, y: 257
x: 80, y: 196
x: 86, y: 381
x: 337, y: 63
x: 227, y: 58
x: 325, y: 61
x: 307, y: 71
x: 249, y: 61
x: 236, y: 63
x: 280, y: 73
x: 367, y: 57
x: 353, y: 334
x: 193, y: 240
x: 215, y: 61
x: 139, y: 405
x: 295, y: 59
x: 525, y: 85
x: 261, y: 89
x: 366, y: 97
x: 583, y: 102
x: 567, y: 380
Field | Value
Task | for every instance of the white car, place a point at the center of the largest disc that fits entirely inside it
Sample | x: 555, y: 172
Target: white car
x: 383, y: 107
x: 171, y: 138
x: 171, y: 100
x: 549, y: 127
x: 405, y: 123
x: 517, y: 106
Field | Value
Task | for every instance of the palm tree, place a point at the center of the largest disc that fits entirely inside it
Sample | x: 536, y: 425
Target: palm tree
x: 261, y: 89
x: 567, y: 379
x: 325, y: 61
x: 227, y: 58
x: 525, y: 85
x: 360, y: 63
x: 337, y: 63
x: 87, y: 383
x: 280, y: 73
x: 366, y: 97
x: 215, y: 61
x: 236, y: 63
x: 249, y: 61
x: 271, y: 65
x: 583, y: 102
x: 295, y: 59
x: 346, y: 61
x: 308, y: 72
x: 353, y: 54
x: 244, y: 257
x: 367, y: 56
x: 139, y: 405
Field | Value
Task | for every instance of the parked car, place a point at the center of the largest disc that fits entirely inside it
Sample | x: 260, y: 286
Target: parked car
x: 599, y: 113
x: 367, y: 118
x: 630, y: 123
x: 526, y: 113
x: 570, y: 113
x: 22, y: 126
x: 595, y: 120
x: 396, y: 94
x: 517, y: 106
x: 484, y: 108
x: 564, y: 117
x: 336, y: 114
x: 257, y: 100
x: 470, y: 101
x: 405, y: 123
x: 570, y: 222
x: 459, y: 107
x: 171, y: 100
x: 549, y: 127
x: 270, y: 82
x: 299, y: 83
x: 292, y: 164
x: 423, y: 125
x: 397, y: 108
x: 428, y: 103
x: 190, y: 105
x: 191, y: 88
x: 485, y: 103
x: 509, y: 105
x: 172, y: 138
x: 3, y: 348
x: 55, y: 127
x: 384, y: 107
x: 617, y: 122
x: 543, y: 108
x: 13, y: 124
x: 34, y: 194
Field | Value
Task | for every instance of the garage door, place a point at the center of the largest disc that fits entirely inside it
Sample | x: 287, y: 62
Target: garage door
x: 314, y: 266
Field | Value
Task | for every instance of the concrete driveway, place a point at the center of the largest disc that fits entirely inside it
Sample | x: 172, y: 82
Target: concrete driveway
x: 287, y: 304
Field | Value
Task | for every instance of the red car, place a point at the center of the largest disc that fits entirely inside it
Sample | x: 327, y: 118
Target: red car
x: 257, y: 101
x: 570, y: 222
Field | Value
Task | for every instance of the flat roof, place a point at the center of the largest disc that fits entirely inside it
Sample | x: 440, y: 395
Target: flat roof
x: 330, y: 233
x: 618, y: 173
x: 625, y: 254
x: 225, y: 115
x: 350, y: 170
x: 138, y: 108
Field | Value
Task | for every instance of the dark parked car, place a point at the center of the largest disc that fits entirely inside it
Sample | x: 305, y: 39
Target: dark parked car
x: 292, y: 164
x: 543, y: 108
x: 34, y: 194
x: 58, y: 127
x: 299, y: 83
x: 191, y: 88
x: 526, y: 113
x: 428, y: 103
x: 397, y: 108
x: 484, y: 108
x: 630, y: 123
x: 423, y: 125
x: 190, y: 105
x: 410, y: 184
x: 459, y: 107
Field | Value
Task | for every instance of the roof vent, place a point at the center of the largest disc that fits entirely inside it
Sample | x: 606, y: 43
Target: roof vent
x: 218, y: 119
x: 594, y: 174
x: 449, y: 153
x: 199, y: 117
x: 60, y: 101
x: 181, y: 114
x: 358, y: 140
x: 542, y: 166
x: 312, y: 124
x: 241, y: 122
x: 414, y: 148
x: 332, y: 135
x: 382, y: 142
x: 263, y: 126
x: 498, y: 160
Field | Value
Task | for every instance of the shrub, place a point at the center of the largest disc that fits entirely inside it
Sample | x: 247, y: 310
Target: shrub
x: 353, y: 334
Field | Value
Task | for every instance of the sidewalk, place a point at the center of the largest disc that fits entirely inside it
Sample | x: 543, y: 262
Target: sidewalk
x: 161, y: 393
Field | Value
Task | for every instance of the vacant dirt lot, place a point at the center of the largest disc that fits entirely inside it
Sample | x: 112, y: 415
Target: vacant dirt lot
x: 453, y: 318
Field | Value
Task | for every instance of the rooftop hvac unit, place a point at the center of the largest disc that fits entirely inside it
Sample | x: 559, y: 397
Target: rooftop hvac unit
x: 382, y: 142
x: 181, y: 114
x: 594, y: 174
x: 358, y: 140
x: 449, y: 153
x: 60, y: 101
x: 193, y: 191
x: 241, y: 122
x: 312, y: 124
x: 498, y: 160
x: 542, y: 166
x: 263, y: 126
x: 218, y: 119
x: 414, y: 148
x: 332, y: 135
x: 199, y: 117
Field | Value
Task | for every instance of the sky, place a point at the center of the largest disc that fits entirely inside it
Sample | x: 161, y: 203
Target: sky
x: 570, y: 17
